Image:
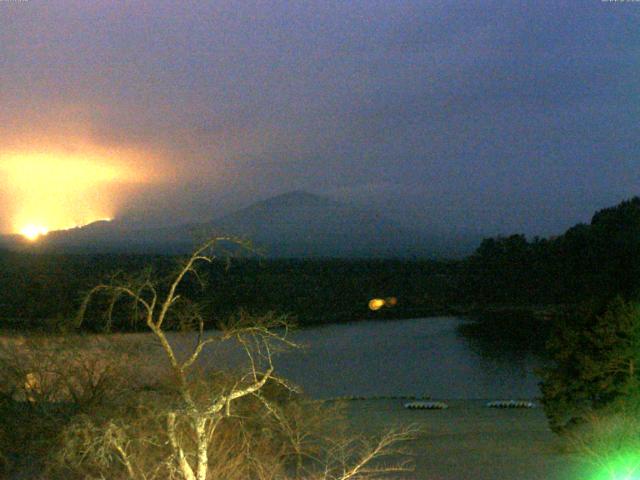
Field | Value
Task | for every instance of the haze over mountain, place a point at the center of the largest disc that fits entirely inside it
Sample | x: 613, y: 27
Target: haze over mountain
x: 486, y: 117
x: 294, y: 224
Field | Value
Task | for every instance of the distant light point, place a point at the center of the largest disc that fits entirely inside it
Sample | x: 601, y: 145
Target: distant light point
x: 376, y: 304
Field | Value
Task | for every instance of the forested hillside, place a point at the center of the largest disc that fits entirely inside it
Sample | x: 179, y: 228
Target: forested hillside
x: 594, y: 261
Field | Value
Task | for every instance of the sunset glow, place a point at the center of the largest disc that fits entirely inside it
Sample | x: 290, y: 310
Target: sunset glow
x: 57, y: 190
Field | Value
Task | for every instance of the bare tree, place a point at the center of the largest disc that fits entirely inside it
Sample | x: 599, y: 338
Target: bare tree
x: 190, y: 420
x: 202, y: 413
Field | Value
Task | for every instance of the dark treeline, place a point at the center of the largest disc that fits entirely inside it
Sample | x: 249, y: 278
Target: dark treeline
x: 41, y: 290
x: 589, y: 262
x: 592, y: 262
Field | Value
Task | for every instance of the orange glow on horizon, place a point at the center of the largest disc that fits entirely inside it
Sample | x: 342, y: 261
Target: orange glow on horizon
x: 33, y: 232
x: 58, y: 189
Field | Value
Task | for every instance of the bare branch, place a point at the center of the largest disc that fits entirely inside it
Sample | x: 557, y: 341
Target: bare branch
x: 116, y: 291
x: 239, y: 393
x: 196, y: 352
x: 188, y: 267
x: 365, y: 455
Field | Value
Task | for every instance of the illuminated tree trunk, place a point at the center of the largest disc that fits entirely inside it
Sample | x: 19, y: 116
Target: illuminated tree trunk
x: 183, y: 464
x: 203, y: 458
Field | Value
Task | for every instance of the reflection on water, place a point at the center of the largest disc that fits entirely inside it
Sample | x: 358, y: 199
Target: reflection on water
x: 402, y: 357
x: 510, y: 336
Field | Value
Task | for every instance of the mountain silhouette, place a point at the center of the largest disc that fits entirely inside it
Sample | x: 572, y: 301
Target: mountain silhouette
x: 293, y: 224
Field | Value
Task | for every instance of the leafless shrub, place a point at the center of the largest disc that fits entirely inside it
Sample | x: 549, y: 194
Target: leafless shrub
x: 79, y: 370
x: 605, y: 435
x: 45, y: 382
x: 365, y: 458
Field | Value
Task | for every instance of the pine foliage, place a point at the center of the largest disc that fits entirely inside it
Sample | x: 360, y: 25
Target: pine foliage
x: 595, y: 357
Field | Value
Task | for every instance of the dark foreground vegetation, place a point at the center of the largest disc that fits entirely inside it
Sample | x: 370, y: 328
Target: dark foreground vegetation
x: 83, y: 418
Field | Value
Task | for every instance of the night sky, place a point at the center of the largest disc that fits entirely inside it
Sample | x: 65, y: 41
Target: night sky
x: 456, y: 116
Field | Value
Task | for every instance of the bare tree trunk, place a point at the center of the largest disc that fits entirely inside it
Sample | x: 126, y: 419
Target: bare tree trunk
x: 203, y: 457
x: 183, y: 465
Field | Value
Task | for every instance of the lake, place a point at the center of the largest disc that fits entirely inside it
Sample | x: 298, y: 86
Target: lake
x: 425, y: 356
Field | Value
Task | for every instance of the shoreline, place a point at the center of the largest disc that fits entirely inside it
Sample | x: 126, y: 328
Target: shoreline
x: 543, y: 313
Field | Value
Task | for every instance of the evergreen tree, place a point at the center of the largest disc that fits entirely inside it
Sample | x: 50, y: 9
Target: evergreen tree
x: 595, y: 363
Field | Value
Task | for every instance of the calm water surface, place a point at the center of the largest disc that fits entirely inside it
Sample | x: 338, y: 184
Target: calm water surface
x: 423, y: 356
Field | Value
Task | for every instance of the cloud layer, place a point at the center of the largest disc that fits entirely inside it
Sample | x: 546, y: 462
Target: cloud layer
x: 476, y: 116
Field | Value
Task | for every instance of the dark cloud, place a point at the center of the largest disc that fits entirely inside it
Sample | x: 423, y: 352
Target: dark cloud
x: 491, y: 116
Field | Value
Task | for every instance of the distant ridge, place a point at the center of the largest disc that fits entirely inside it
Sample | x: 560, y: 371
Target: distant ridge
x: 295, y: 198
x: 301, y: 224
x: 292, y: 224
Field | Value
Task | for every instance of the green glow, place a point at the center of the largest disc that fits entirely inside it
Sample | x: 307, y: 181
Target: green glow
x: 619, y: 467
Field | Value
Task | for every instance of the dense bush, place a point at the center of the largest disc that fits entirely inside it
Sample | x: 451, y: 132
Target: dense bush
x: 595, y: 356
